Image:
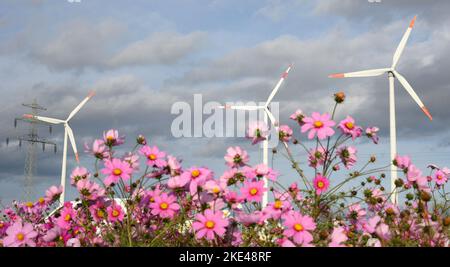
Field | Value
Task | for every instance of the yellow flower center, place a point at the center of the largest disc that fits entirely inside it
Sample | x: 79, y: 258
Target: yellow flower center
x: 20, y: 236
x: 210, y: 224
x: 253, y: 191
x: 117, y: 172
x: 67, y: 218
x: 152, y: 199
x: 278, y: 204
x: 318, y: 124
x: 41, y: 200
x: 100, y: 214
x: 163, y: 206
x: 320, y: 184
x: 115, y: 213
x: 216, y: 190
x: 29, y: 204
x: 1, y: 225
x: 110, y: 138
x: 298, y: 227
x: 349, y: 125
x: 151, y: 157
x: 440, y: 177
x: 195, y: 173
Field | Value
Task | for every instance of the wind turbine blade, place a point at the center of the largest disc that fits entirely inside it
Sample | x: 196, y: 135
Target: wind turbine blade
x: 413, y: 94
x: 402, y: 44
x: 44, y: 119
x: 272, y: 118
x: 72, y: 142
x: 241, y: 107
x: 90, y: 95
x: 277, y: 86
x: 364, y: 73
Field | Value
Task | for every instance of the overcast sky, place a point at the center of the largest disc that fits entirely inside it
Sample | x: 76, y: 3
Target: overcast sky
x: 143, y: 56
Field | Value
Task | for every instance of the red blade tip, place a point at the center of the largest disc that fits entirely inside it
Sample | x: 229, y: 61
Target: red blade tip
x: 77, y: 158
x: 91, y: 94
x: 412, y: 22
x: 337, y: 75
x: 425, y: 110
x: 28, y: 116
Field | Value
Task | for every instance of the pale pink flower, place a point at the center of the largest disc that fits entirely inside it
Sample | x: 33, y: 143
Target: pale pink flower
x: 318, y: 124
x: 89, y: 190
x: 372, y: 133
x: 98, y: 150
x: 316, y: 157
x: 298, y: 116
x: 257, y: 131
x: 155, y: 158
x: 133, y: 160
x: 440, y: 177
x: 402, y: 162
x: 262, y: 170
x: 347, y: 154
x: 78, y: 174
x: 338, y: 237
x: 174, y: 165
x: 112, y: 138
x: 19, y: 235
x: 116, y: 169
x: 236, y: 157
x: 298, y: 227
x: 285, y: 133
x: 53, y: 193
x: 178, y: 182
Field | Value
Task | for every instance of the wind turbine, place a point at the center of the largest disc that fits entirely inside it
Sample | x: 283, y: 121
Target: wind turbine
x: 267, y: 116
x: 68, y: 133
x: 392, y: 73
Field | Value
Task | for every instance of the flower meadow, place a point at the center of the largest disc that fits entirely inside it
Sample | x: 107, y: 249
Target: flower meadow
x: 146, y: 197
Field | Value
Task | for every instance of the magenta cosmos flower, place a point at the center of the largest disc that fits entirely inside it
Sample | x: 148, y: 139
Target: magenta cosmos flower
x: 19, y: 235
x: 257, y: 131
x: 298, y: 226
x: 90, y: 190
x: 112, y: 138
x: 321, y: 184
x: 236, y: 157
x: 98, y: 149
x: 67, y: 216
x: 285, y: 133
x: 155, y: 158
x: 349, y: 128
x: 115, y: 212
x: 164, y: 205
x: 209, y: 224
x: 253, y: 191
x: 116, y: 169
x: 318, y: 124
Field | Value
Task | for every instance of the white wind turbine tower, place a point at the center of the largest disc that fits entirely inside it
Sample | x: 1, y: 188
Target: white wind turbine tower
x: 267, y: 116
x: 392, y: 73
x: 68, y: 133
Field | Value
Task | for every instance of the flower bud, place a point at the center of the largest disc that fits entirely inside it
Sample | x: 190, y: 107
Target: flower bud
x: 425, y: 196
x: 373, y: 158
x: 339, y: 97
x: 446, y: 221
x: 399, y: 183
x: 141, y: 140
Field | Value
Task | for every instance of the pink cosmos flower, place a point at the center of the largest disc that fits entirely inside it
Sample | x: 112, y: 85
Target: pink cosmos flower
x: 90, y: 190
x: 285, y: 243
x: 115, y: 212
x: 53, y: 193
x: 19, y: 235
x: 233, y: 198
x: 165, y: 206
x: 112, y: 138
x: 98, y: 211
x: 356, y: 212
x: 214, y: 187
x: 262, y: 170
x: 247, y: 219
x: 298, y: 226
x: 174, y: 165
x: 67, y: 216
x: 371, y: 132
x: 338, y: 237
x: 257, y: 131
x: 209, y: 224
x: 347, y: 154
x: 155, y: 158
x: 298, y: 116
x: 236, y: 157
x: 253, y: 191
x: 116, y: 169
x: 73, y: 242
x: 98, y: 150
x: 321, y: 184
x: 402, y: 162
x: 78, y: 174
x: 318, y: 124
x: 413, y: 173
x: 349, y: 128
x: 133, y: 160
x: 178, y: 182
x: 249, y: 172
x: 440, y: 177
x: 197, y: 177
x: 285, y: 133
x: 277, y: 208
x: 228, y: 177
x: 316, y: 157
